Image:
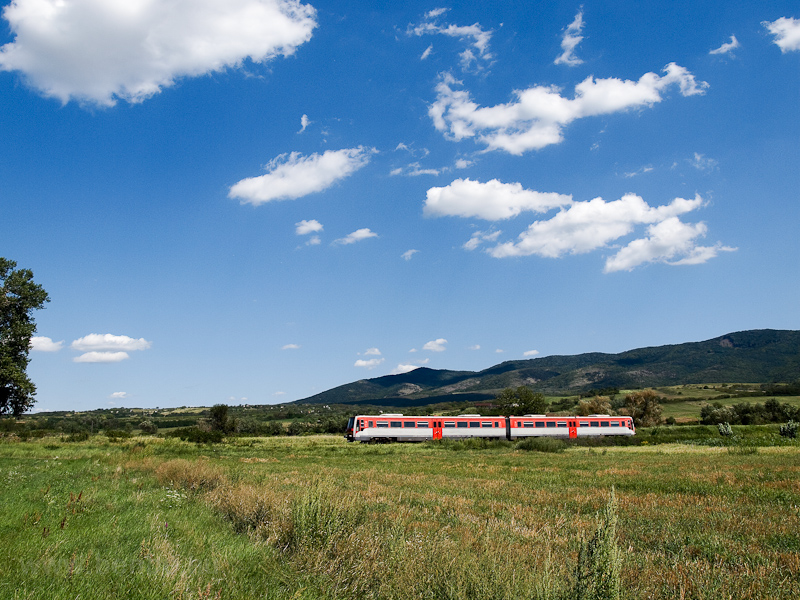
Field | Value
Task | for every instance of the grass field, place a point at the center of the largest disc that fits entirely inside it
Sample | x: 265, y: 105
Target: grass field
x: 315, y: 517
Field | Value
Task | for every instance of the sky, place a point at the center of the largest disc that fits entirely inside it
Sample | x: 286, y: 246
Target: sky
x: 254, y: 201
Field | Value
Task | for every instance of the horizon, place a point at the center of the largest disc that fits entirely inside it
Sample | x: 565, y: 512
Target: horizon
x: 276, y: 198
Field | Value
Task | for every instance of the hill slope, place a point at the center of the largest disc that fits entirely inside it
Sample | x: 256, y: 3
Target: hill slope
x: 758, y: 356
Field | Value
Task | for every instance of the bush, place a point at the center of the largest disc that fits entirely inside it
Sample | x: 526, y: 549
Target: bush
x: 725, y: 429
x: 197, y: 435
x: 597, y: 576
x: 148, y: 427
x: 80, y: 436
x: 789, y: 430
x: 541, y: 444
x: 114, y: 435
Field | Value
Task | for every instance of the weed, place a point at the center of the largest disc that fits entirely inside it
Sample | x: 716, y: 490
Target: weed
x: 597, y: 576
x: 541, y: 444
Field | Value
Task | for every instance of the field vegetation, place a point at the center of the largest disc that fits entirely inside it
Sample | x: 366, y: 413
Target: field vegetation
x: 684, y: 513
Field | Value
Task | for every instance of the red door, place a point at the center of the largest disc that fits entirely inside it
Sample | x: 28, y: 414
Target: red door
x: 437, y: 430
x: 573, y: 429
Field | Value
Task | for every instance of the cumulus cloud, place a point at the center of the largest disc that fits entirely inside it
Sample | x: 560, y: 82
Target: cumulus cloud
x: 400, y: 369
x: 305, y: 227
x: 45, y: 344
x: 291, y: 176
x: 727, y: 47
x: 786, y: 31
x: 369, y: 363
x: 356, y: 236
x: 291, y: 347
x: 492, y: 200
x: 438, y: 345
x: 537, y: 115
x: 101, y: 357
x: 100, y: 51
x: 409, y: 253
x: 118, y: 396
x: 572, y: 37
x: 530, y: 353
x: 474, y: 35
x: 665, y: 241
x: 108, y: 341
x: 587, y: 226
x: 475, y: 347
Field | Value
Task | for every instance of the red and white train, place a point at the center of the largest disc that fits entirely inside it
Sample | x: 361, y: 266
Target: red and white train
x: 402, y: 428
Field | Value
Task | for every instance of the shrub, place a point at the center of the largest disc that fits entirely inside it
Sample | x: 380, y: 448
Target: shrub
x: 789, y: 430
x: 80, y: 436
x: 597, y: 576
x: 725, y: 429
x: 197, y: 435
x: 148, y: 427
x: 541, y: 444
x: 114, y: 435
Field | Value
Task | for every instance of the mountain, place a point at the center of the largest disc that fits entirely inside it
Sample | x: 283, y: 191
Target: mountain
x: 757, y: 356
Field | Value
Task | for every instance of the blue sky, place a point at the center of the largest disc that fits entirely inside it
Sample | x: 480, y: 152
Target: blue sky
x: 252, y: 201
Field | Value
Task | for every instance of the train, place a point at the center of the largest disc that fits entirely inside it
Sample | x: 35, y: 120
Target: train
x: 396, y: 427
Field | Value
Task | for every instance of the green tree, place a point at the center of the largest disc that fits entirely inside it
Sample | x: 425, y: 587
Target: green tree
x: 19, y: 297
x: 521, y: 401
x: 599, y: 405
x: 644, y: 407
x: 220, y: 421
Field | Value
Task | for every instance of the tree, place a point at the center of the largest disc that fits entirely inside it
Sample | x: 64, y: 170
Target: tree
x: 19, y: 297
x: 644, y: 407
x: 521, y: 401
x: 220, y: 421
x: 599, y: 405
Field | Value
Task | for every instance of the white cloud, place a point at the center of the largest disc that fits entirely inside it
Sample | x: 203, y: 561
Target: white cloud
x: 645, y: 169
x: 474, y: 35
x: 279, y: 393
x: 400, y: 369
x: 304, y: 122
x: 45, y: 344
x: 665, y: 241
x: 787, y: 33
x: 702, y: 163
x: 463, y: 163
x: 572, y: 37
x: 293, y: 176
x: 727, y: 47
x: 538, y: 115
x: 479, y: 237
x: 305, y: 227
x: 492, y: 200
x: 438, y: 345
x: 409, y: 253
x: 291, y: 347
x: 108, y: 341
x: 427, y: 52
x: 118, y: 396
x: 101, y: 357
x: 368, y: 364
x: 475, y: 347
x: 587, y: 226
x: 356, y: 236
x: 530, y: 353
x: 313, y: 241
x: 99, y: 51
x: 372, y: 352
x: 499, y: 351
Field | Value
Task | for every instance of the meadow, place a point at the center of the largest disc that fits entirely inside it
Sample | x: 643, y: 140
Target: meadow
x: 315, y: 517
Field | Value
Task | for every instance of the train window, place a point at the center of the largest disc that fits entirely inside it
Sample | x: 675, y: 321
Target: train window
x: 584, y: 423
x: 370, y: 423
x: 615, y: 423
x: 551, y: 423
x: 422, y: 424
x: 462, y: 423
x: 474, y: 424
x: 409, y: 424
x: 539, y: 423
x: 383, y: 424
x: 562, y: 423
x: 397, y: 423
x: 595, y: 423
x: 603, y: 423
x: 449, y: 424
x: 486, y: 424
x: 528, y: 424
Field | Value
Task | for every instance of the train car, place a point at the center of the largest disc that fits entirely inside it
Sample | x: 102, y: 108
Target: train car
x: 396, y: 427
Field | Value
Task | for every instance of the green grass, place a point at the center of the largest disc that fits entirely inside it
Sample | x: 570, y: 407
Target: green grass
x: 315, y: 517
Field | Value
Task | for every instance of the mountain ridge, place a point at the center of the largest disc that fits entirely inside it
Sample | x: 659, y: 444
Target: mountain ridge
x: 752, y: 356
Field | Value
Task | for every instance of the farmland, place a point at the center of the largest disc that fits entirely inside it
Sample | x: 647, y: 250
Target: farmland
x: 314, y: 517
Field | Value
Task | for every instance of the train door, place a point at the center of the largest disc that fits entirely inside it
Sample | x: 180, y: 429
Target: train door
x: 573, y: 428
x: 437, y: 430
